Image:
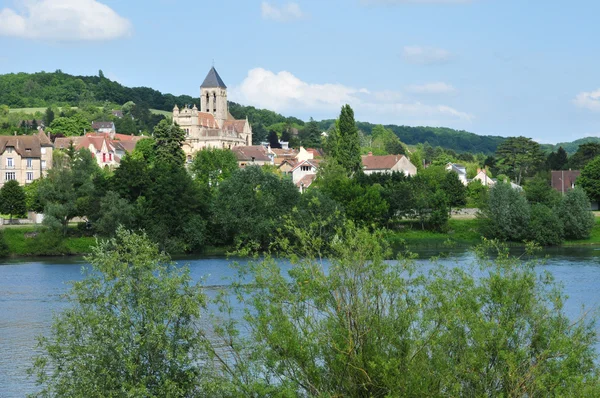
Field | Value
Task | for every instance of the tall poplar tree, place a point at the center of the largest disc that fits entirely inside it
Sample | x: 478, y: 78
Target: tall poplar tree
x: 347, y: 147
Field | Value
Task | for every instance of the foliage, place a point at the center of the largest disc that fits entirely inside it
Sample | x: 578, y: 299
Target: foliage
x: 519, y: 157
x: 70, y: 126
x: 507, y: 214
x: 4, y: 249
x: 345, y: 145
x: 310, y: 135
x: 545, y: 227
x: 574, y: 212
x: 589, y: 179
x: 130, y: 329
x: 210, y: 167
x: 357, y: 325
x: 585, y: 153
x: 168, y: 141
x: 455, y: 190
x: 249, y: 206
x: 558, y: 160
x: 477, y: 194
x: 114, y: 212
x: 539, y: 190
x: 12, y: 199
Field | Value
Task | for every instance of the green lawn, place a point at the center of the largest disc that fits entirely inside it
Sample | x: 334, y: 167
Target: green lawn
x: 462, y: 232
x: 44, y: 244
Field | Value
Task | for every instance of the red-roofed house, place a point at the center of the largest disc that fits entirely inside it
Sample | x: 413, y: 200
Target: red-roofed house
x: 388, y: 164
x: 304, y: 173
x: 107, y: 149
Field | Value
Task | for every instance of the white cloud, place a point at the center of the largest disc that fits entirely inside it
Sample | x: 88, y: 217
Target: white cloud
x: 284, y: 92
x: 287, y: 12
x: 432, y: 88
x: 425, y: 55
x: 67, y: 20
x: 589, y: 100
x: 396, y: 2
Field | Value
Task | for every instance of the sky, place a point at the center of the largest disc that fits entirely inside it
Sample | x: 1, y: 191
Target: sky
x: 492, y: 67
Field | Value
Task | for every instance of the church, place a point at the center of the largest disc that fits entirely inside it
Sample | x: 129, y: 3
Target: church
x: 211, y: 126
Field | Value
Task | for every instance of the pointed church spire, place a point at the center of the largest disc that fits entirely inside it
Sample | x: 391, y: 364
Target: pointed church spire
x: 213, y: 80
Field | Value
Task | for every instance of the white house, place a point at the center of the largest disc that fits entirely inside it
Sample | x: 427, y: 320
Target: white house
x: 460, y: 170
x: 304, y: 173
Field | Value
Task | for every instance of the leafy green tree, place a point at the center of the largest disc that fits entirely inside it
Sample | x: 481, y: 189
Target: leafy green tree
x: 346, y: 146
x: 210, y: 167
x: 145, y: 149
x: 250, y: 205
x: 358, y: 325
x: 70, y: 126
x: 519, y: 157
x: 12, y: 199
x: 477, y: 194
x: 539, y: 190
x: 310, y: 135
x: 32, y: 197
x: 589, y: 179
x: 574, y: 212
x: 558, y: 160
x: 130, y: 329
x: 114, y: 212
x: 169, y: 139
x: 48, y: 116
x: 4, y: 110
x: 455, y: 190
x: 585, y: 154
x: 67, y: 191
x: 545, y: 227
x: 507, y: 214
x: 274, y: 139
x: 132, y: 178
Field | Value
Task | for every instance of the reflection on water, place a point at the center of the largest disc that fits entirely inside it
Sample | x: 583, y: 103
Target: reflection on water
x: 30, y: 292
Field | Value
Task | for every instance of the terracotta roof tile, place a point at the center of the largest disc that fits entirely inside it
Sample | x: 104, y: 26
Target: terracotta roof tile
x: 371, y: 162
x: 306, y: 181
x: 250, y: 153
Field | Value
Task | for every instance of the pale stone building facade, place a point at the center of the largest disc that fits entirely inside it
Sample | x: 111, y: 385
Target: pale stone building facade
x: 211, y: 126
x: 24, y: 158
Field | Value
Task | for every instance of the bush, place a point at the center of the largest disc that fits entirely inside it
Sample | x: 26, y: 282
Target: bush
x: 506, y: 214
x: 545, y: 228
x: 574, y: 212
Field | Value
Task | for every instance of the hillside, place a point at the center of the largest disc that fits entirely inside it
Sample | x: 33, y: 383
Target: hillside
x: 571, y: 147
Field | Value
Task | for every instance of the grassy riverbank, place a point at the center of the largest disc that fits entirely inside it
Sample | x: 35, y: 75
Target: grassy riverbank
x: 461, y: 233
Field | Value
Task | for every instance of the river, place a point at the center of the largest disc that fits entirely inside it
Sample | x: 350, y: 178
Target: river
x: 31, y: 289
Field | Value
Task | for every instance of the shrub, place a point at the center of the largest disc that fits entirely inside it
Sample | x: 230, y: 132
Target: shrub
x: 506, y: 214
x: 574, y: 212
x: 545, y: 228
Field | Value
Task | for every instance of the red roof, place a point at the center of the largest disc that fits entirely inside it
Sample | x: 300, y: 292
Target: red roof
x: 251, y: 153
x: 207, y: 120
x: 311, y: 162
x: 306, y: 181
x: 235, y: 125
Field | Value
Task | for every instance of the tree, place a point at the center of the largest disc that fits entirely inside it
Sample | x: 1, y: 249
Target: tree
x: 70, y: 126
x: 48, y: 117
x: 310, y: 135
x: 455, y: 190
x: 545, y: 227
x: 210, y: 167
x: 250, y: 205
x: 558, y: 160
x: 346, y: 148
x: 4, y: 110
x: 589, y: 179
x: 519, y: 157
x: 358, y: 325
x: 506, y: 215
x: 114, y: 211
x: 574, y: 212
x: 130, y: 329
x: 12, y: 199
x: 274, y: 139
x: 585, y: 153
x: 169, y: 141
x: 539, y: 190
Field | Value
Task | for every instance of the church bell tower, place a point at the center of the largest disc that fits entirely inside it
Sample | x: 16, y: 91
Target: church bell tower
x: 213, y: 96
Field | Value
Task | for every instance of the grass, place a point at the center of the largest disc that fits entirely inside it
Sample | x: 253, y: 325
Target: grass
x: 45, y: 244
x: 461, y: 232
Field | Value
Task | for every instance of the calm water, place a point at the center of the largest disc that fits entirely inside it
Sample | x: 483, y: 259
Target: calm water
x: 30, y: 293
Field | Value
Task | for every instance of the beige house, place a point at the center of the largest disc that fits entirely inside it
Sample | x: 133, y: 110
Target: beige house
x: 24, y: 158
x: 211, y: 126
x: 484, y: 178
x: 107, y: 149
x: 254, y: 155
x: 388, y: 164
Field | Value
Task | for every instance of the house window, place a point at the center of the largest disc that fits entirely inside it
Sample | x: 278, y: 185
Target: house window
x: 305, y: 168
x: 9, y: 149
x: 43, y: 165
x: 29, y: 163
x: 10, y: 176
x: 30, y: 176
x: 110, y: 157
x: 103, y: 158
x: 189, y: 158
x: 9, y: 163
x: 43, y: 151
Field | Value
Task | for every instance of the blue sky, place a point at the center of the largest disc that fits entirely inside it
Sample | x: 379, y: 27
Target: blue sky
x: 502, y: 67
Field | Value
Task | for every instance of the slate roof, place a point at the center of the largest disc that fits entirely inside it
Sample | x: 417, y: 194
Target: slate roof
x: 27, y: 146
x: 103, y: 125
x: 386, y: 162
x: 213, y: 80
x: 235, y: 125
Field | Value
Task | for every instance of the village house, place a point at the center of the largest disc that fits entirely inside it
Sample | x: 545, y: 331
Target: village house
x: 254, y: 155
x: 388, y: 164
x: 564, y: 180
x: 460, y: 170
x: 211, y: 126
x: 484, y: 178
x: 304, y: 173
x: 104, y: 127
x: 107, y: 149
x: 24, y: 158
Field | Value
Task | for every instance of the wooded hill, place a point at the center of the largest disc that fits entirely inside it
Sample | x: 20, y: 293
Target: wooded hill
x: 43, y: 89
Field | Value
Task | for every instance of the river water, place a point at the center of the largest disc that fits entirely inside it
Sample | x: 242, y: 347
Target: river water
x: 30, y: 293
